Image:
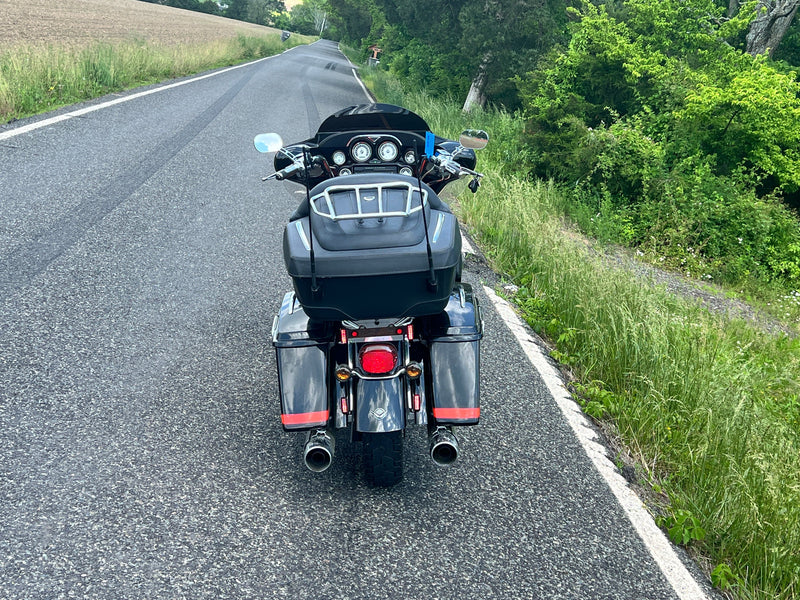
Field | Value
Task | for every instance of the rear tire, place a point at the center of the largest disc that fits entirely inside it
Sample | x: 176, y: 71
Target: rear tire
x: 383, y: 458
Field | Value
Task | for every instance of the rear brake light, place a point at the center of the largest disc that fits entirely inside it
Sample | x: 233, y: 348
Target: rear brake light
x: 378, y: 359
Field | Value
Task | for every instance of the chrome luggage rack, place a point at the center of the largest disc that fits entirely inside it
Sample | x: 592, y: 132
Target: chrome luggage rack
x: 368, y: 193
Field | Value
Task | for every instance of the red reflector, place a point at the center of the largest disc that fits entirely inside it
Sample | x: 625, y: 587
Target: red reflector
x: 343, y: 336
x: 456, y: 413
x: 417, y: 403
x: 411, y: 332
x: 304, y: 418
x: 378, y: 359
x: 345, y: 408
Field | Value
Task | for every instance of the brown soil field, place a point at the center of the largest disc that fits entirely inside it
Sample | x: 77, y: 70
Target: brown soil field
x: 83, y: 22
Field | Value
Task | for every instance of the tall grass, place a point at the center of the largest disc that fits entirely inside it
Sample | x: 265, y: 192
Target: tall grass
x: 708, y: 405
x: 38, y: 78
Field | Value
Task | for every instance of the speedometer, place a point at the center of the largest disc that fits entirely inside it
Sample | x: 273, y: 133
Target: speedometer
x: 361, y: 152
x: 388, y: 151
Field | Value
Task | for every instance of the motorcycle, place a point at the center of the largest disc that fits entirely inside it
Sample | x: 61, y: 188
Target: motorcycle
x: 379, y: 332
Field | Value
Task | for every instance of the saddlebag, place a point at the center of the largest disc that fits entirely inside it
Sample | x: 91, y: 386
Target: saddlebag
x: 301, y: 347
x: 359, y: 250
x: 454, y: 338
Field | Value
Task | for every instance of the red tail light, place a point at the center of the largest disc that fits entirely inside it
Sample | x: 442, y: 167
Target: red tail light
x: 378, y: 359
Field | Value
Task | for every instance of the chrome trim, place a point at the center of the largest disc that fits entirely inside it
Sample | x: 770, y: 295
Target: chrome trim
x: 438, y: 231
x: 410, y: 189
x: 353, y: 151
x: 393, y: 145
x: 275, y: 329
x: 302, y: 233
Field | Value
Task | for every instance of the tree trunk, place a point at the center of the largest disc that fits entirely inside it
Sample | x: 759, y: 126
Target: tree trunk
x: 477, y: 91
x: 770, y: 25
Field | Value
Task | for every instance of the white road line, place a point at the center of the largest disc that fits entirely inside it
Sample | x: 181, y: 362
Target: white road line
x: 83, y: 111
x: 361, y: 83
x: 657, y: 543
x: 466, y: 247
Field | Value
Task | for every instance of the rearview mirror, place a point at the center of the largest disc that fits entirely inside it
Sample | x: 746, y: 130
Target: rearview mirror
x: 268, y: 142
x: 474, y: 139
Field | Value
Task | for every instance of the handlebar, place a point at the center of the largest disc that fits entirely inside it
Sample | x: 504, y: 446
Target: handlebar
x: 447, y: 163
x: 285, y: 172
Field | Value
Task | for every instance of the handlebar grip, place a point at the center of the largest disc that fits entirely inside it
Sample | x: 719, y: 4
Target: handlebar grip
x: 288, y: 171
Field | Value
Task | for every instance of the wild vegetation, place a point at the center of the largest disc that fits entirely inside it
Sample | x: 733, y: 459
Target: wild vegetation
x: 708, y: 405
x: 34, y: 79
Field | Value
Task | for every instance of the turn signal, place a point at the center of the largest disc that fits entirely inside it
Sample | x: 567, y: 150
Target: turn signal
x: 342, y: 373
x: 378, y: 359
x: 413, y: 370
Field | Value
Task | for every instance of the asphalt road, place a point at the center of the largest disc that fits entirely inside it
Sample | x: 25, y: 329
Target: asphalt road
x: 141, y: 452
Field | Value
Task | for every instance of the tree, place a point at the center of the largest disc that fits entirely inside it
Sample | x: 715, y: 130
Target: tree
x: 263, y: 12
x: 354, y: 20
x: 507, y: 38
x: 769, y: 27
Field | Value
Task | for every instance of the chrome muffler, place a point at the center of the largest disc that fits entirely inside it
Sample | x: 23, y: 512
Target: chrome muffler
x: 443, y: 446
x: 318, y: 452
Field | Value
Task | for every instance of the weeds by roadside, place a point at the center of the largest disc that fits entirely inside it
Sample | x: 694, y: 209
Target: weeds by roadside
x: 38, y: 78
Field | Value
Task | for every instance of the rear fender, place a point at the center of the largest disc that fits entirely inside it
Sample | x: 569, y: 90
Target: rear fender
x: 380, y: 405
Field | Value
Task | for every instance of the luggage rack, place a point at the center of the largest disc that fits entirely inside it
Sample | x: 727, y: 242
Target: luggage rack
x: 368, y: 192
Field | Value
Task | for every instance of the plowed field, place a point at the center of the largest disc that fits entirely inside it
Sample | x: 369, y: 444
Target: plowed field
x: 82, y: 22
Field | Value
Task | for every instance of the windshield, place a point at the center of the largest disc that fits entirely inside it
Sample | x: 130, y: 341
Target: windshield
x: 373, y: 117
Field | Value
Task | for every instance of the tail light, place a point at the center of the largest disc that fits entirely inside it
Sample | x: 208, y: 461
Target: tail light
x: 378, y: 359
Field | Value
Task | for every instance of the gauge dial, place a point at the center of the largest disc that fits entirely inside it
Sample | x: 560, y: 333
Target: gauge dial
x: 361, y: 152
x: 339, y: 157
x: 410, y: 157
x: 388, y: 151
x: 343, y: 172
x: 406, y: 171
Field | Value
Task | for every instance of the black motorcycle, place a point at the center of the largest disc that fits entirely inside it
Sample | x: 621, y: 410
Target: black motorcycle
x: 379, y: 332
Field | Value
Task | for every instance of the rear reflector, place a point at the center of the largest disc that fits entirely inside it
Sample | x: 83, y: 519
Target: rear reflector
x: 307, y: 418
x: 378, y: 359
x: 456, y: 414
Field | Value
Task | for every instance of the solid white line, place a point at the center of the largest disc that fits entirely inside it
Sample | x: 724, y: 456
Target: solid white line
x: 466, y: 247
x: 370, y: 98
x: 83, y: 111
x: 654, y: 539
x: 361, y: 83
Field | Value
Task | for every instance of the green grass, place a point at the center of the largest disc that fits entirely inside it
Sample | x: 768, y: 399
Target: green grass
x: 708, y: 406
x: 35, y: 79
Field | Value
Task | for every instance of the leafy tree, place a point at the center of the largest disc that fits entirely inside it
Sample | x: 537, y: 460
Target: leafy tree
x: 508, y: 37
x: 449, y: 46
x: 237, y: 9
x: 353, y: 19
x: 660, y: 121
x: 264, y: 12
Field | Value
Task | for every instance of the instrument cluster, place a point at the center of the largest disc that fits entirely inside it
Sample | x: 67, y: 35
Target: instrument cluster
x: 372, y: 153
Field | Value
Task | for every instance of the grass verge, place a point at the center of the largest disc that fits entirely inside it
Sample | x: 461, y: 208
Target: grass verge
x: 708, y: 406
x: 34, y: 79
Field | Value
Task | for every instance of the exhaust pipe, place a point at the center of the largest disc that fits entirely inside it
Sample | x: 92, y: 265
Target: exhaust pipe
x: 444, y: 446
x: 318, y: 452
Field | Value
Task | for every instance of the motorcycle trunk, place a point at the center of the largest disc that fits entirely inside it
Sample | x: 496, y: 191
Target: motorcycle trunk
x: 361, y: 251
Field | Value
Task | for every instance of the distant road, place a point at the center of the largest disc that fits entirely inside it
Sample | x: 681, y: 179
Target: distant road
x: 141, y: 452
